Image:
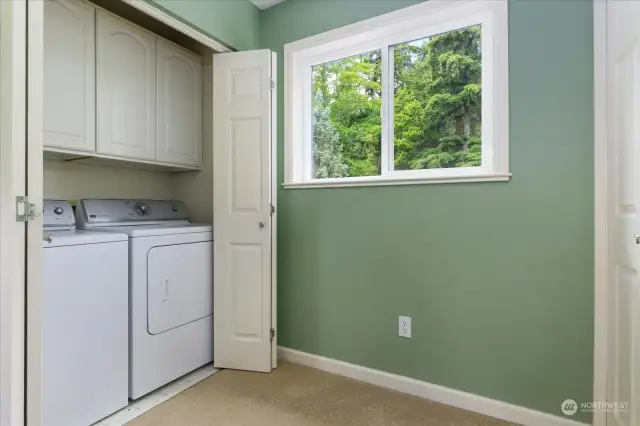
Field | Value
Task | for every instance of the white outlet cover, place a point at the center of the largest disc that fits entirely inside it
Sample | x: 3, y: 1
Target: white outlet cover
x: 404, y: 327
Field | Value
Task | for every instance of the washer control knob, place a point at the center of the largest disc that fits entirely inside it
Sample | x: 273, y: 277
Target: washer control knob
x: 143, y: 209
x: 175, y: 208
x: 58, y: 210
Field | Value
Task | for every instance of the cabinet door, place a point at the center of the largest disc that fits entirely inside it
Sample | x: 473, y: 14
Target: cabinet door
x: 126, y: 76
x: 179, y: 116
x: 69, y: 75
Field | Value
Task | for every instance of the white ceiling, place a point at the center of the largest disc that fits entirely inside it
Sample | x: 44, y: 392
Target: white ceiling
x: 264, y: 4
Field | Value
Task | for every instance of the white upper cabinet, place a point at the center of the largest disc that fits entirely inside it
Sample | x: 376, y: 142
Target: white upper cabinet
x: 69, y: 75
x: 116, y: 91
x: 179, y: 115
x: 126, y: 81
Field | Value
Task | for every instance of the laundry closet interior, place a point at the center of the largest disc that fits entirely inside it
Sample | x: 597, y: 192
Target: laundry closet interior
x: 156, y: 143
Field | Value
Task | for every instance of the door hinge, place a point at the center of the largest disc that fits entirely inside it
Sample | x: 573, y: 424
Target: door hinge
x: 273, y: 209
x: 273, y: 334
x: 25, y: 210
x: 272, y: 83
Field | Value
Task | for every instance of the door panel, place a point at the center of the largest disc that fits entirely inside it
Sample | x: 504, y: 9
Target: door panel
x: 623, y: 383
x: 246, y: 165
x: 246, y: 280
x: 126, y: 79
x: 179, y: 289
x: 242, y: 197
x: 69, y: 75
x: 179, y: 105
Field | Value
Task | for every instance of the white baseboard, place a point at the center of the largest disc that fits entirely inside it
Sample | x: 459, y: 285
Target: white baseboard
x: 466, y: 401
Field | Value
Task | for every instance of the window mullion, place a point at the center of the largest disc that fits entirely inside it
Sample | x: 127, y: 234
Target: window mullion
x: 390, y: 107
x: 307, y: 146
x: 386, y: 148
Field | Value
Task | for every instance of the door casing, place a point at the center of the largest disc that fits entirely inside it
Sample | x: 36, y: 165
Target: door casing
x: 601, y: 185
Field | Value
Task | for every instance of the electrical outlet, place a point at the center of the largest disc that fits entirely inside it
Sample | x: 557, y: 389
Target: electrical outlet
x: 404, y: 327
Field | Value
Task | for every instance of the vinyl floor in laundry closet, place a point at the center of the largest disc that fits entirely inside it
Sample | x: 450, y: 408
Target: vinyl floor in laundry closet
x: 295, y: 395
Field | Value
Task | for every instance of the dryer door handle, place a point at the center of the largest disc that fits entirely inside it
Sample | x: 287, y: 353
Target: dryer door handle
x: 165, y: 289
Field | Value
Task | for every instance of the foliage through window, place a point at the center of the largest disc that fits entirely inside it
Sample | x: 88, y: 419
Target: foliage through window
x: 347, y: 123
x: 411, y: 109
x: 437, y: 101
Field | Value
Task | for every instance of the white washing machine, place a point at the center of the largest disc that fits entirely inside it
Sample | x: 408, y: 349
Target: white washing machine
x: 85, y: 320
x: 170, y: 284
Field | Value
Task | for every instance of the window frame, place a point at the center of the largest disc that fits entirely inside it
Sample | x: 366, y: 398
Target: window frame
x: 382, y: 33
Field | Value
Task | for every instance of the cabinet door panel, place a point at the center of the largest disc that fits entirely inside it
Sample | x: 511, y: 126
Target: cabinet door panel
x: 126, y: 89
x: 179, y: 105
x: 69, y: 75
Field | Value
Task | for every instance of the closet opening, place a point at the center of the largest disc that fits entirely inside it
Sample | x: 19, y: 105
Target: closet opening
x: 152, y: 153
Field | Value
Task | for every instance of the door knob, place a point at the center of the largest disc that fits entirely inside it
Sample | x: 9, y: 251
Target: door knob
x: 637, y: 238
x: 261, y: 225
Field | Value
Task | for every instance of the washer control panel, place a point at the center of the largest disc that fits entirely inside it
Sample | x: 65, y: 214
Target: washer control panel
x: 121, y: 211
x: 58, y: 214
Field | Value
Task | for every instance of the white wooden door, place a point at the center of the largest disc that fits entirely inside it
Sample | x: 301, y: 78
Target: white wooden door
x: 242, y: 122
x: 126, y: 80
x: 13, y: 45
x: 179, y: 119
x: 69, y: 75
x: 623, y: 53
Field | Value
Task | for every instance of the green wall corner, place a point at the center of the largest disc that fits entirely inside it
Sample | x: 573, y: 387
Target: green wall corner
x: 232, y: 22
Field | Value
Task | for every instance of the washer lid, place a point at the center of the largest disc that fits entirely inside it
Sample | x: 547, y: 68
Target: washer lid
x: 76, y: 238
x: 167, y: 228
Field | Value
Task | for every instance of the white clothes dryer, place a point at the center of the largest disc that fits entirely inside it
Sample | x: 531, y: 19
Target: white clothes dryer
x: 170, y: 285
x: 85, y: 303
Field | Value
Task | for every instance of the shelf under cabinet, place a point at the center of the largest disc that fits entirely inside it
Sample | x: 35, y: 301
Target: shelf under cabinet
x: 52, y: 153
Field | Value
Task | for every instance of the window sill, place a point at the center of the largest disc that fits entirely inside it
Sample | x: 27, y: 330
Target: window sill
x: 386, y: 181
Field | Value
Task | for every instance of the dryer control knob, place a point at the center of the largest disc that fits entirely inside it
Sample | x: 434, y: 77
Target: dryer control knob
x: 58, y: 210
x: 174, y: 208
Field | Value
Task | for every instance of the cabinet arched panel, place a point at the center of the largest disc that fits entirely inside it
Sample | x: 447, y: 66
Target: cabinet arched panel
x: 179, y: 117
x: 126, y: 89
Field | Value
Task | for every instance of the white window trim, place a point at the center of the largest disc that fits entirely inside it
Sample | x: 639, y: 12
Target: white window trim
x: 411, y: 23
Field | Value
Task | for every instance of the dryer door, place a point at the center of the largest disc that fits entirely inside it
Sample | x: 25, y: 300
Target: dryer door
x: 179, y: 285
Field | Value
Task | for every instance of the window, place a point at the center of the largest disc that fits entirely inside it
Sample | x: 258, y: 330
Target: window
x: 415, y: 96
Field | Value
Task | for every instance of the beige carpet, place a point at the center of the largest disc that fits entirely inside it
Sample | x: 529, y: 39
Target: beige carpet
x: 294, y: 395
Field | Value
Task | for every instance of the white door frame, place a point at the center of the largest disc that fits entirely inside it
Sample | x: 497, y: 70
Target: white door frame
x: 601, y: 188
x: 35, y: 135
x: 13, y: 44
x: 274, y: 217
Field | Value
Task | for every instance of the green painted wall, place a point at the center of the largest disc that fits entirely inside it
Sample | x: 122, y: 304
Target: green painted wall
x: 233, y: 22
x: 496, y: 276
